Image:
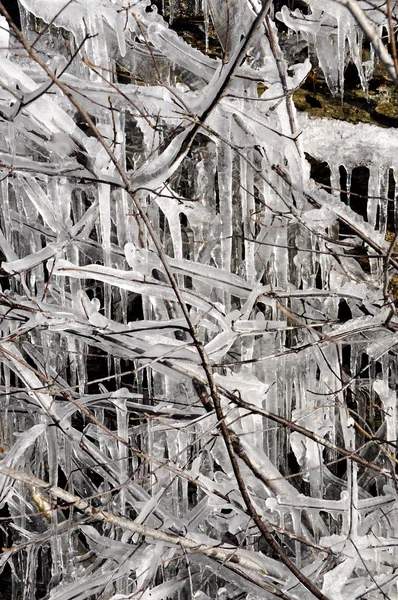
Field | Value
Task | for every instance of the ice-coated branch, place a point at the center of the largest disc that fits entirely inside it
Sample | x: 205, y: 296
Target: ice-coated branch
x: 98, y: 514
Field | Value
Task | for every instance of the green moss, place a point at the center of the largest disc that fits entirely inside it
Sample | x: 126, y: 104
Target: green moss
x: 388, y: 113
x: 380, y: 107
x: 393, y: 286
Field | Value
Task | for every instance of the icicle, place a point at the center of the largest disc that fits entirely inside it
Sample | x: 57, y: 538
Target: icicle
x: 388, y: 398
x: 226, y: 210
x: 248, y: 211
x: 383, y: 200
x: 206, y: 17
x: 6, y: 219
x: 172, y: 211
x: 348, y: 185
x: 343, y: 23
x: 373, y: 195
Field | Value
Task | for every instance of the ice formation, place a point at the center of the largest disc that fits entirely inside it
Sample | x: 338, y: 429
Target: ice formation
x: 287, y: 285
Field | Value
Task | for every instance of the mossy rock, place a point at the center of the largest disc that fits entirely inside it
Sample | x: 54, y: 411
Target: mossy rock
x: 379, y: 106
x: 393, y: 286
x: 388, y: 113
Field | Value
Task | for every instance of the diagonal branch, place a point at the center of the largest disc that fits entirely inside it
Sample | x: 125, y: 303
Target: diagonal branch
x: 97, y: 514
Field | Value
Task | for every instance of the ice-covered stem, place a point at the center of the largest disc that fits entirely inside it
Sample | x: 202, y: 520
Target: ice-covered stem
x: 373, y: 36
x: 287, y: 424
x: 282, y: 70
x: 229, y: 439
x: 392, y: 35
x: 232, y: 445
x: 235, y: 62
x: 220, y: 554
x: 357, y: 231
x: 221, y: 81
